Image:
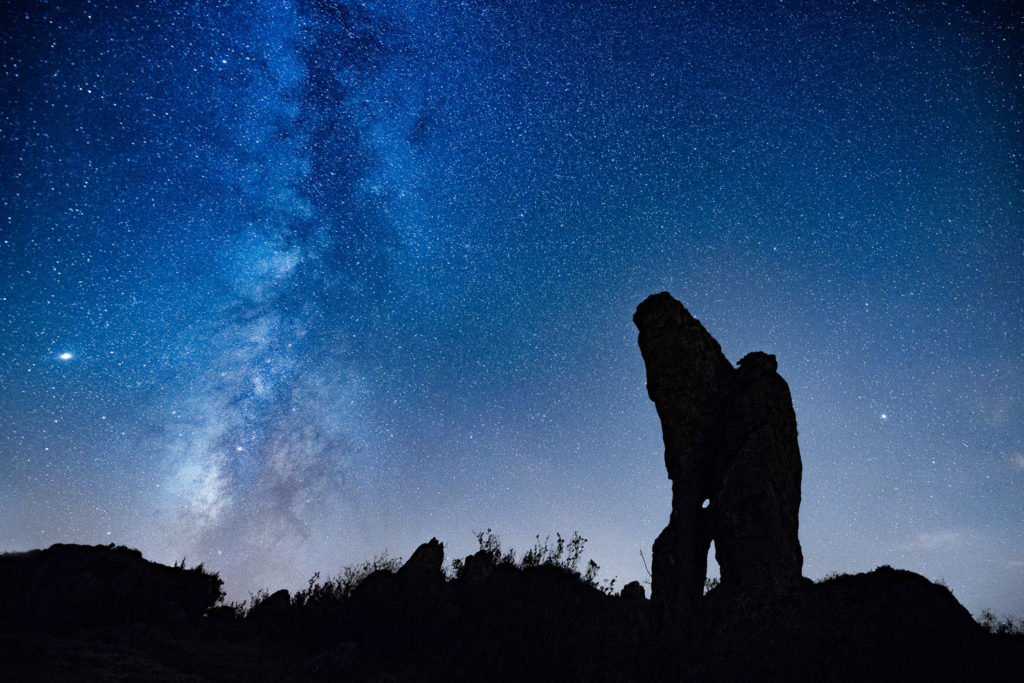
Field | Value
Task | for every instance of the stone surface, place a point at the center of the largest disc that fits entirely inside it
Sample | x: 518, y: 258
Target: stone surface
x: 731, y: 453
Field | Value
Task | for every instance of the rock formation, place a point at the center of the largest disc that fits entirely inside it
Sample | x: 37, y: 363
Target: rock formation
x: 731, y: 453
x: 273, y: 606
x: 72, y: 586
x: 426, y: 561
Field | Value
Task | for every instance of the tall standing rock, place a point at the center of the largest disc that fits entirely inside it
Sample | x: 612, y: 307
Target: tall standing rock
x: 758, y: 503
x: 731, y: 453
x: 686, y: 373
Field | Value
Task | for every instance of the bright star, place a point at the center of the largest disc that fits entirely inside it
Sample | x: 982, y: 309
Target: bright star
x: 884, y: 416
x: 65, y: 356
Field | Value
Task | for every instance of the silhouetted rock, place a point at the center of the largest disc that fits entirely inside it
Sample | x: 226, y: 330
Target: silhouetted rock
x: 686, y: 375
x: 424, y: 567
x: 272, y: 606
x: 71, y: 586
x: 888, y: 625
x: 478, y: 566
x: 731, y: 453
x: 633, y: 591
x: 421, y: 578
x: 756, y: 510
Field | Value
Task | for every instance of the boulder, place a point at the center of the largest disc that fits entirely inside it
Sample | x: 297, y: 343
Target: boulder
x: 272, y: 606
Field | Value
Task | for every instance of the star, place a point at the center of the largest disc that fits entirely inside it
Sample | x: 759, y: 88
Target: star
x: 416, y: 296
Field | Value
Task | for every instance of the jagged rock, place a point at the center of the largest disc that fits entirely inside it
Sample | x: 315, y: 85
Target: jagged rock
x: 633, y: 591
x: 426, y: 560
x: 478, y: 566
x: 731, y: 453
x: 422, y: 573
x: 412, y: 592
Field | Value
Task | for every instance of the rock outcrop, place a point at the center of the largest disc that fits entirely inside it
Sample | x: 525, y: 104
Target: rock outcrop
x: 425, y: 563
x: 732, y: 455
x: 273, y: 606
x: 71, y: 586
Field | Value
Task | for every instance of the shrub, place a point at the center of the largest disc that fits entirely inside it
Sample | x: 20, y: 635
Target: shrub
x: 1005, y: 626
x: 562, y: 553
x: 216, y: 582
x: 341, y: 587
x: 247, y: 606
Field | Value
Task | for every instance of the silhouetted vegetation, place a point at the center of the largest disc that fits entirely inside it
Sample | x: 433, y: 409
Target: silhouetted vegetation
x: 560, y: 553
x: 1002, y: 626
x: 494, y: 615
x: 200, y: 570
x: 341, y: 586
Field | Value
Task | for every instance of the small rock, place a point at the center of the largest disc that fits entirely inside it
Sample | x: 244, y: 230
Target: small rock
x: 273, y: 605
x: 633, y: 591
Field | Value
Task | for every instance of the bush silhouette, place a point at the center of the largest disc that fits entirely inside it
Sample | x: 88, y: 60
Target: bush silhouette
x: 1005, y: 626
x: 342, y: 586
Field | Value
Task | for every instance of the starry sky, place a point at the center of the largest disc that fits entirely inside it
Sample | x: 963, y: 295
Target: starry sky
x: 286, y: 284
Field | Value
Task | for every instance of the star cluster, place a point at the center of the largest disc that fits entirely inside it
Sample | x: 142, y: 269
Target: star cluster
x: 285, y: 284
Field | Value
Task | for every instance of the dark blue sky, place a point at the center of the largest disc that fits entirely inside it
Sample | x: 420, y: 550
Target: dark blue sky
x: 287, y: 284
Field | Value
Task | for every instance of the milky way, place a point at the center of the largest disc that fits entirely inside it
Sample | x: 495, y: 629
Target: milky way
x: 286, y: 285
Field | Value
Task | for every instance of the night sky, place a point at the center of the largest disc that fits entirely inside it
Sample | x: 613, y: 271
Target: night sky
x: 284, y: 285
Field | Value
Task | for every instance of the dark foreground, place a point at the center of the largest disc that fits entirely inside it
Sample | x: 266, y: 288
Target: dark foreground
x: 105, y: 614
